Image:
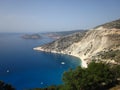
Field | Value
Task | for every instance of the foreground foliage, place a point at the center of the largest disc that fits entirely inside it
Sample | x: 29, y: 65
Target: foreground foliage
x: 4, y: 86
x: 97, y: 76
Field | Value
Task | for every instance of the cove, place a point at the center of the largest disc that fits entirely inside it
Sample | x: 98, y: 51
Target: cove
x: 24, y: 68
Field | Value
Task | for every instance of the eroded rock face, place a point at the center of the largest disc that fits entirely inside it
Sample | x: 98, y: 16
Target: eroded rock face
x: 64, y: 42
x: 87, y: 45
x: 96, y: 41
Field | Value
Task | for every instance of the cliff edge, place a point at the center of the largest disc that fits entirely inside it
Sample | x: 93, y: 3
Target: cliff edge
x: 87, y: 46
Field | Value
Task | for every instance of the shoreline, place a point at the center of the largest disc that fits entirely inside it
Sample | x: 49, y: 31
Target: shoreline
x: 83, y: 62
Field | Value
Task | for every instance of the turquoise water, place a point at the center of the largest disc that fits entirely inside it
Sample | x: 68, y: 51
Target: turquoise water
x: 25, y: 68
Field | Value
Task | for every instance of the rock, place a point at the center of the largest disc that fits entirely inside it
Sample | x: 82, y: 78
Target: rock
x: 89, y: 44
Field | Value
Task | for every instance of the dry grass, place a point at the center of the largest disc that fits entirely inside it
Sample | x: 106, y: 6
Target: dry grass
x: 116, y: 88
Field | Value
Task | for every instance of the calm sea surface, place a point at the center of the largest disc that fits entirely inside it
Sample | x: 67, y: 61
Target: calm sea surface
x: 25, y: 68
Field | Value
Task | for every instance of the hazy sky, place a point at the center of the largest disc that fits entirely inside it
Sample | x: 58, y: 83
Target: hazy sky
x: 55, y: 15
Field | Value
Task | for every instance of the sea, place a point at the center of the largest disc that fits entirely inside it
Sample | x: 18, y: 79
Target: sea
x: 25, y: 68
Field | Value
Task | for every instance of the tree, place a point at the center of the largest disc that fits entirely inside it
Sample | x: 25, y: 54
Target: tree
x: 4, y: 86
x: 96, y: 77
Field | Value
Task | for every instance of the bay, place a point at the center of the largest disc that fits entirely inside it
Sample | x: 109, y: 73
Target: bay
x: 24, y: 68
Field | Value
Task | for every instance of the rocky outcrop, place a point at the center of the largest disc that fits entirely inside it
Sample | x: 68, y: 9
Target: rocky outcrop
x: 86, y: 45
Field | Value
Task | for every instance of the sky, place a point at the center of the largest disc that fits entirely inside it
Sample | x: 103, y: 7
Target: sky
x: 55, y: 15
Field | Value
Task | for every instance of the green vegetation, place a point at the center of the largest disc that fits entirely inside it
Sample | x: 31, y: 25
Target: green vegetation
x: 113, y: 24
x: 111, y: 54
x: 4, y: 86
x: 97, y: 76
x: 64, y: 42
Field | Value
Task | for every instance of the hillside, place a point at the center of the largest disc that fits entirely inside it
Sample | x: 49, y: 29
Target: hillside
x: 110, y: 25
x: 57, y: 35
x: 87, y: 46
x: 64, y: 42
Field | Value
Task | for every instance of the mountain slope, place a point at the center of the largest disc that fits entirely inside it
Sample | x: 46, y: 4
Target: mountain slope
x: 57, y: 35
x: 88, y: 45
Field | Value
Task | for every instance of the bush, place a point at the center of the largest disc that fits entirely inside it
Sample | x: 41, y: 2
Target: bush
x: 4, y: 86
x: 97, y: 76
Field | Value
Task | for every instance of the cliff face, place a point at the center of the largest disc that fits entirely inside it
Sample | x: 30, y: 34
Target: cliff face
x: 87, y: 45
x: 64, y: 42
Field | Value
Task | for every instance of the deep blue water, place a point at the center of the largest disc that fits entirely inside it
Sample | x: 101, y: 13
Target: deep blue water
x: 25, y: 68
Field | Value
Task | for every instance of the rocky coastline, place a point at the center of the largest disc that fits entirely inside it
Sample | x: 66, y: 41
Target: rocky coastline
x: 88, y: 45
x: 83, y: 64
